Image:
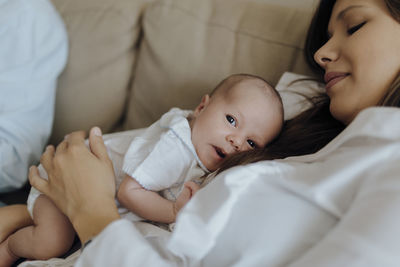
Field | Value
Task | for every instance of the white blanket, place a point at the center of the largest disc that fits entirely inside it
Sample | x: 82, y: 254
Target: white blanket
x: 337, y: 207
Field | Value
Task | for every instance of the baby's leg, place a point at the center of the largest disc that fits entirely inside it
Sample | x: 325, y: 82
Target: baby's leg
x: 13, y: 217
x: 51, y: 235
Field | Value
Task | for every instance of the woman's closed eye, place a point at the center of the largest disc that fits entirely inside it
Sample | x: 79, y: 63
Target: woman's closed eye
x: 231, y: 120
x: 353, y: 29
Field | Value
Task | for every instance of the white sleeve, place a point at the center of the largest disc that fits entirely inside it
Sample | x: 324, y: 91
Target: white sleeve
x: 369, y: 232
x: 158, y: 163
x: 33, y: 52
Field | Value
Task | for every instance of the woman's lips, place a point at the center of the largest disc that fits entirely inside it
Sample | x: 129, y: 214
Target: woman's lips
x: 333, y: 78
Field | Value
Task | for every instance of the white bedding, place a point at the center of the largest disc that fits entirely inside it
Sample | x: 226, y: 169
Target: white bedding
x: 344, y: 211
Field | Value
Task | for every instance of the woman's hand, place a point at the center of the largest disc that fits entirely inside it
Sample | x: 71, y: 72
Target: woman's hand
x: 81, y: 182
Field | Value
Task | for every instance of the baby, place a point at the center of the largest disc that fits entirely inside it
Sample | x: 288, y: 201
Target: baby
x: 159, y: 171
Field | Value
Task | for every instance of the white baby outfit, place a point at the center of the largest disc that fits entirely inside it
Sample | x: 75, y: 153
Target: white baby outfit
x: 161, y: 158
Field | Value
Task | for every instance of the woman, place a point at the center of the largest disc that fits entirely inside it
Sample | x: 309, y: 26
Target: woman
x: 336, y: 207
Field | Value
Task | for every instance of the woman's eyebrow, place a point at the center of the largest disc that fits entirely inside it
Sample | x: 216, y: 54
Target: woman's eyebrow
x: 343, y: 13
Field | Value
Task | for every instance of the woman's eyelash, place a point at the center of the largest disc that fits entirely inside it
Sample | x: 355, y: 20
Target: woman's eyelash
x: 355, y: 28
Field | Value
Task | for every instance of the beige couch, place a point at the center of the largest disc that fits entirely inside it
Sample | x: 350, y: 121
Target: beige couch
x: 132, y: 60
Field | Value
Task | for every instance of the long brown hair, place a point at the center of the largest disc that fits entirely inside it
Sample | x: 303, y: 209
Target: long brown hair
x: 314, y: 128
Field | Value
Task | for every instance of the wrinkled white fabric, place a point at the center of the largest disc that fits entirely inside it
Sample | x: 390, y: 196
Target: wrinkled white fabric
x: 337, y: 207
x: 33, y: 52
x: 163, y: 157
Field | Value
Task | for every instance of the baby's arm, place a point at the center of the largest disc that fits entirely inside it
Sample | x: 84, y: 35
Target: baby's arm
x: 190, y: 188
x: 147, y: 204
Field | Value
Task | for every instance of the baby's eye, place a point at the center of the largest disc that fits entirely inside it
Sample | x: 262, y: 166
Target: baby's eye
x: 231, y: 120
x: 251, y: 143
x: 355, y: 28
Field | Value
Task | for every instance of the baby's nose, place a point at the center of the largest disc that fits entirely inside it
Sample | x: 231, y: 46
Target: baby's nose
x: 236, y: 141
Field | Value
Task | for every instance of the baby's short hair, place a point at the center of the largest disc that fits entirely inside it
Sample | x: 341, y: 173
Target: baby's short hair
x: 230, y: 81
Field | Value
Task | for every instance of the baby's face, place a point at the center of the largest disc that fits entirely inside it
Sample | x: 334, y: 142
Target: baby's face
x: 244, y: 118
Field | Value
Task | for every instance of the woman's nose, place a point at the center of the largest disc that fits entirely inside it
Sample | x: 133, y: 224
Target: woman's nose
x: 326, y: 54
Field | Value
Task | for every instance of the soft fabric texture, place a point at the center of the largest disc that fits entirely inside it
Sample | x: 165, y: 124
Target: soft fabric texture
x: 33, y: 52
x: 292, y: 212
x: 163, y: 157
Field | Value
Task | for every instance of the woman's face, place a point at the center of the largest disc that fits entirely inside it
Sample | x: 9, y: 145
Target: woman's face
x: 362, y: 56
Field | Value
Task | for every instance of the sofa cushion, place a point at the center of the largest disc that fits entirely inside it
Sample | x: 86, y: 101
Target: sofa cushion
x: 190, y: 45
x: 94, y: 86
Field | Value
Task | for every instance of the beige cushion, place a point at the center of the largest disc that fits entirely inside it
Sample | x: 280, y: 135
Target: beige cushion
x: 94, y: 86
x: 190, y: 45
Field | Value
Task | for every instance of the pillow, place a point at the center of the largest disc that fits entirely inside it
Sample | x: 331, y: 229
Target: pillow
x: 294, y: 90
x: 189, y: 46
x: 93, y: 88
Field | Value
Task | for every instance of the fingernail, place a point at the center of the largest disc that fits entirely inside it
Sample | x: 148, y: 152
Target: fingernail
x: 97, y: 131
x: 66, y: 136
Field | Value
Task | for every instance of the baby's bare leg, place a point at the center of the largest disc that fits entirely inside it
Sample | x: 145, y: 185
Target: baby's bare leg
x: 6, y: 256
x: 51, y: 235
x: 13, y: 217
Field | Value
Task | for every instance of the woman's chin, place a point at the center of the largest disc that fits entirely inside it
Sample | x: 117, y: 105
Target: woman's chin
x: 341, y: 114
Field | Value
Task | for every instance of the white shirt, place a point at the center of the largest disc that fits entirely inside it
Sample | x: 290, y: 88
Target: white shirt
x: 33, y: 52
x: 337, y: 207
x: 163, y: 157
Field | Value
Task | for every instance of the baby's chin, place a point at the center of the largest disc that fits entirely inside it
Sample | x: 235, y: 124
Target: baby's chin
x: 212, y: 167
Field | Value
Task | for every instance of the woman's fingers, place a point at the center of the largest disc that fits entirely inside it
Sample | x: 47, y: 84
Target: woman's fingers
x: 75, y: 138
x: 47, y: 158
x: 96, y: 143
x: 37, y: 181
x: 61, y: 147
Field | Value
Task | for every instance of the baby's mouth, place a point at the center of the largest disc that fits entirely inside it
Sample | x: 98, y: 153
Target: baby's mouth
x: 220, y: 153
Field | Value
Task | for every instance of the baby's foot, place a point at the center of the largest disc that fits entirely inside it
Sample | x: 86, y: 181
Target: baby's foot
x: 7, y: 258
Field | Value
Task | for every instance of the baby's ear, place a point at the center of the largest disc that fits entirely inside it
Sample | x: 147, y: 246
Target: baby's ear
x: 203, y: 104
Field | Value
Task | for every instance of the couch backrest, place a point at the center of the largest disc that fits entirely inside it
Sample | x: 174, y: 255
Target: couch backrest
x: 190, y: 45
x: 94, y: 87
x: 132, y: 60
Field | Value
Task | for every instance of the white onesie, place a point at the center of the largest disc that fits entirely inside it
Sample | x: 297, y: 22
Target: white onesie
x: 161, y: 158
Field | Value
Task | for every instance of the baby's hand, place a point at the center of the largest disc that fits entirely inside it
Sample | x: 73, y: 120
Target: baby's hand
x: 190, y: 188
